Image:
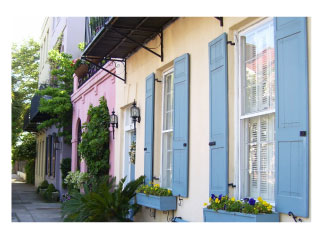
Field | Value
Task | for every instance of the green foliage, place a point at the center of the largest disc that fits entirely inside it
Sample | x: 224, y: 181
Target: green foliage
x: 48, y: 194
x: 30, y: 171
x: 81, y: 46
x: 94, y: 146
x: 65, y: 167
x: 44, y: 184
x: 76, y: 180
x: 59, y: 106
x: 24, y: 82
x: 154, y: 189
x: 248, y: 206
x: 103, y: 202
x: 26, y: 150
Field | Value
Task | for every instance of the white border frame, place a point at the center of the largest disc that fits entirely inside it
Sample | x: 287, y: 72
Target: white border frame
x: 164, y: 73
x: 238, y: 118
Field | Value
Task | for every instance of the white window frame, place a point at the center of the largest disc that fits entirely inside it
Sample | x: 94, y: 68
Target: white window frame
x: 239, y: 118
x: 128, y: 129
x: 166, y: 72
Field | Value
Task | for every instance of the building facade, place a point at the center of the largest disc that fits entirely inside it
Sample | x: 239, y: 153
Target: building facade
x: 224, y: 108
x: 68, y: 32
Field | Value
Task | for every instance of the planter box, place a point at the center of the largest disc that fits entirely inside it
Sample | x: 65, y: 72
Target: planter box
x: 55, y: 196
x: 210, y: 215
x: 42, y: 191
x: 156, y: 202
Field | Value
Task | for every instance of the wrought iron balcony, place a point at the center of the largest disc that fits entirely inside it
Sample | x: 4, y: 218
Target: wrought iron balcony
x: 94, y: 25
x: 92, y: 69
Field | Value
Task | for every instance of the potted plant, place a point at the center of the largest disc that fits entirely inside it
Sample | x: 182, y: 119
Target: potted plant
x: 42, y: 187
x: 225, y: 209
x: 81, y: 67
x: 153, y: 196
x: 51, y: 194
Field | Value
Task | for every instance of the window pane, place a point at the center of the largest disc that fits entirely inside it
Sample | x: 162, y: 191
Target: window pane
x: 261, y: 157
x: 168, y: 102
x: 258, y: 63
x: 167, y: 160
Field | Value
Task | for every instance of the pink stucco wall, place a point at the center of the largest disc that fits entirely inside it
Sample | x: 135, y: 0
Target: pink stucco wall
x: 100, y: 84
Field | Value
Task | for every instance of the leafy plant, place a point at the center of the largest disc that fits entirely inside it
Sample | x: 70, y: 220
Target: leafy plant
x: 26, y: 150
x: 102, y: 201
x: 30, y: 171
x: 94, y: 146
x: 154, y: 189
x: 24, y: 82
x: 248, y: 206
x: 44, y: 184
x: 75, y: 180
x: 48, y: 194
x: 65, y: 167
x: 59, y: 106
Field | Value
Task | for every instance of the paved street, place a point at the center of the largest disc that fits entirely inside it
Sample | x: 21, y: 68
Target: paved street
x: 28, y: 206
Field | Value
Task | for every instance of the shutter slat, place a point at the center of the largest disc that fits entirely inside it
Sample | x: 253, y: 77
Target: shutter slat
x: 218, y: 116
x: 292, y: 150
x: 149, y: 128
x: 181, y: 126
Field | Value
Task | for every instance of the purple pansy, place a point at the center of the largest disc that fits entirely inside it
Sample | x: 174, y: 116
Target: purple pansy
x: 213, y: 196
x: 252, y: 201
x: 246, y: 200
x: 220, y: 197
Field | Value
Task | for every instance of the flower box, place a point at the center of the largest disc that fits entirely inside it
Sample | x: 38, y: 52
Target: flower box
x: 42, y: 191
x: 156, y: 202
x: 210, y: 215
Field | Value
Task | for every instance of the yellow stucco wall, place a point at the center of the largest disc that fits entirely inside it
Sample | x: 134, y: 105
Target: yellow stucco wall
x: 41, y: 158
x: 186, y: 35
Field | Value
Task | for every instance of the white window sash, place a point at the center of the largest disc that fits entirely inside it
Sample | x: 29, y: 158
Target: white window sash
x: 171, y: 70
x: 239, y: 120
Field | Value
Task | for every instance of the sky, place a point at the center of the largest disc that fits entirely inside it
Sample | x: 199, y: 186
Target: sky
x: 29, y: 27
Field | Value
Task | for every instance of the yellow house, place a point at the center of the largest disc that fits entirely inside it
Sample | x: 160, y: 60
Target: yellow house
x: 214, y: 96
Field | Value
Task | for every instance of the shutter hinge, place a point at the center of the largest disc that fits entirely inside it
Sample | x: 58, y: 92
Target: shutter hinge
x: 294, y: 217
x: 231, y: 184
x: 230, y: 42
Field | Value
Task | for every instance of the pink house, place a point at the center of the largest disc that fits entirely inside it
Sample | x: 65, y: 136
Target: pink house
x: 86, y: 93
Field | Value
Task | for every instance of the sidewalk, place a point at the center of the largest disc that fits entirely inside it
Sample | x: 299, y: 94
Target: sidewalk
x: 28, y: 206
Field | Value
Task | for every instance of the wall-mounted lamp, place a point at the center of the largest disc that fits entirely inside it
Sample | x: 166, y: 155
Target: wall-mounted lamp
x: 135, y: 115
x: 113, y: 121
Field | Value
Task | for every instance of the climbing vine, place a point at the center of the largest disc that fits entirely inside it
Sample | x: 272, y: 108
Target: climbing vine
x: 58, y: 105
x: 94, y: 146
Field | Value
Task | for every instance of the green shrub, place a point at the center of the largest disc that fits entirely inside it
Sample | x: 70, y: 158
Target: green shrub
x: 48, y: 194
x: 44, y: 184
x: 30, y: 171
x: 102, y: 201
x: 65, y: 167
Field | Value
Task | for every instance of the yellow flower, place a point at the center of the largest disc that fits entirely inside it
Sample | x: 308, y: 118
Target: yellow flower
x: 265, y: 203
x: 169, y: 191
x: 156, y: 185
x: 232, y: 199
x: 210, y: 199
x: 260, y: 199
x: 205, y: 204
x: 217, y: 200
x: 144, y: 191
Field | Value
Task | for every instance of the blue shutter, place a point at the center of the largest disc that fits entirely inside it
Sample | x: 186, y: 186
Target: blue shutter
x: 218, y: 116
x: 180, y: 126
x: 149, y: 128
x: 291, y: 123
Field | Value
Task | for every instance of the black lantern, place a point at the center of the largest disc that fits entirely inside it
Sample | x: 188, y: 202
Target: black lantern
x: 113, y: 121
x: 135, y: 115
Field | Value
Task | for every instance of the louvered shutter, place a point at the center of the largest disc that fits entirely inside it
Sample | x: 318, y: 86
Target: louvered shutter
x: 218, y: 116
x: 181, y: 126
x: 149, y: 128
x: 292, y: 115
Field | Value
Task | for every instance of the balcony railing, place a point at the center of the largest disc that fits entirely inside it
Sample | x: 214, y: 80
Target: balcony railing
x: 92, y: 69
x: 93, y: 25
